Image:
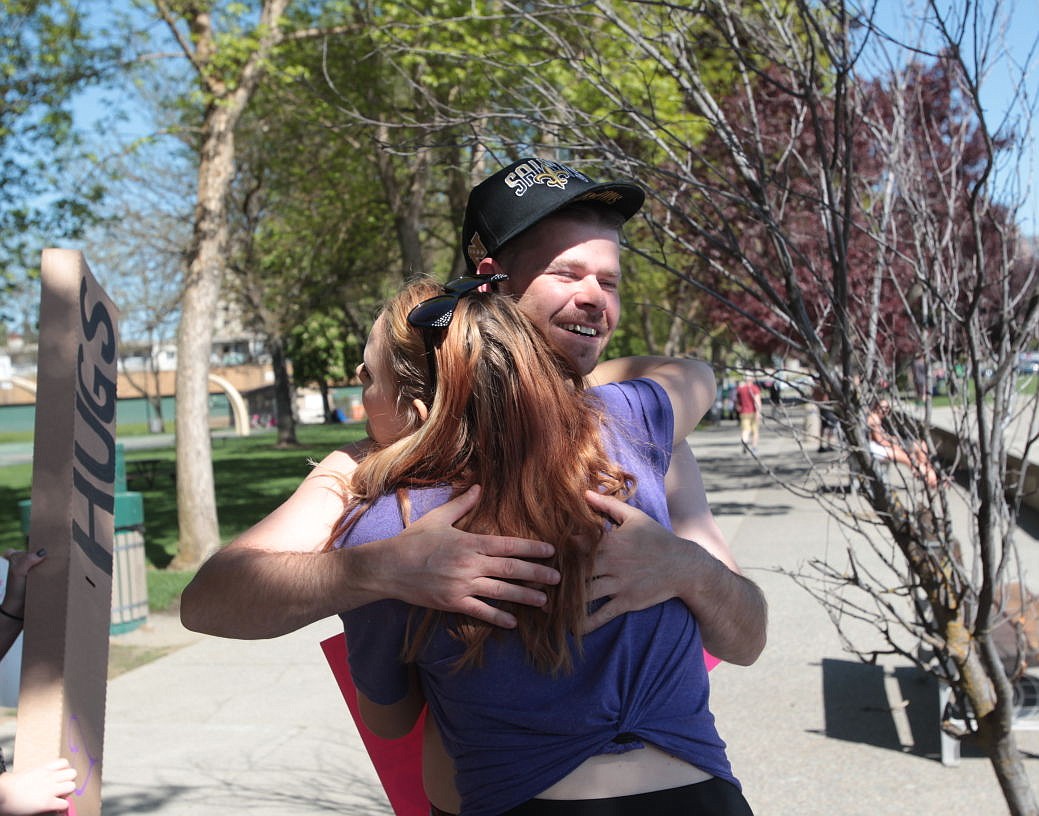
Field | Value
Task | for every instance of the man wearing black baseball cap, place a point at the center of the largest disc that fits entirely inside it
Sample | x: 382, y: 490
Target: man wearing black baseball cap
x: 556, y: 233
x: 527, y: 191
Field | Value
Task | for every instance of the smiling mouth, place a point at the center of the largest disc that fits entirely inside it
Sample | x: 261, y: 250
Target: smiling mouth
x: 583, y: 331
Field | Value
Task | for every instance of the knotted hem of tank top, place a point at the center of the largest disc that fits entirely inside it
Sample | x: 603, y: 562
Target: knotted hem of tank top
x: 622, y: 744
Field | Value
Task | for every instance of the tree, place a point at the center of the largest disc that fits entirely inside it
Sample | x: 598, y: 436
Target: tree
x: 37, y: 141
x: 848, y: 213
x: 138, y: 250
x: 326, y: 347
x: 229, y: 50
x: 307, y: 237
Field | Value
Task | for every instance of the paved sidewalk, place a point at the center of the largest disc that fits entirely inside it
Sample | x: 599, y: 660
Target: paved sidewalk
x: 810, y: 729
x: 258, y: 727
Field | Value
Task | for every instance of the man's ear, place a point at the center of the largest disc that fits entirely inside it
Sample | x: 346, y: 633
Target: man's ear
x: 489, y: 266
x: 421, y: 410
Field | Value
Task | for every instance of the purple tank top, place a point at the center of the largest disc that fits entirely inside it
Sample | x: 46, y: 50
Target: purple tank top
x: 513, y: 731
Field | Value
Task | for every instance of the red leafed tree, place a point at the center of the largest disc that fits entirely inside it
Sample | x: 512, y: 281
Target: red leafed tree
x: 751, y: 297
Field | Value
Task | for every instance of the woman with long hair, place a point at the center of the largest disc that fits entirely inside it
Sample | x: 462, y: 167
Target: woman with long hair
x: 460, y: 390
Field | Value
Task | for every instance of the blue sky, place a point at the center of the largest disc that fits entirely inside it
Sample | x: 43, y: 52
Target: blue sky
x: 1014, y: 26
x: 1017, y: 24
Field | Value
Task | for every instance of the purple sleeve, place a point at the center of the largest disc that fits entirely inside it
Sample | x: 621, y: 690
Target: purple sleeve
x: 375, y: 632
x: 374, y: 641
x: 644, y: 409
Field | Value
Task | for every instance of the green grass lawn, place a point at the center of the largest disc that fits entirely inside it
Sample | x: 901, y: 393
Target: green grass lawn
x: 125, y: 429
x: 252, y: 477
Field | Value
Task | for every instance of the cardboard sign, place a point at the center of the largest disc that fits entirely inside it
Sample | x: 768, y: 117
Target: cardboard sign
x: 68, y: 599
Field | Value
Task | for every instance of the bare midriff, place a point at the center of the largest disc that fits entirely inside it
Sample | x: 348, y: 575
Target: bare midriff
x: 639, y: 771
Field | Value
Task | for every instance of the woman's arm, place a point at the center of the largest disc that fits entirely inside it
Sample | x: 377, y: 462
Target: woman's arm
x: 395, y: 720
x: 690, y: 384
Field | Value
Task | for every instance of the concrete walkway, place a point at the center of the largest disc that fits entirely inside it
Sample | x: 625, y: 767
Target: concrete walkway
x: 222, y: 727
x: 810, y: 729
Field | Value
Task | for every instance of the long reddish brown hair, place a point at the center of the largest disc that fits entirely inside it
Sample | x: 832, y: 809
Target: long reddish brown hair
x: 508, y: 414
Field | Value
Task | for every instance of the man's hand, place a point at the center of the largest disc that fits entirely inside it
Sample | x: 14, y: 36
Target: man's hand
x: 434, y: 564
x: 640, y: 563
x: 636, y: 563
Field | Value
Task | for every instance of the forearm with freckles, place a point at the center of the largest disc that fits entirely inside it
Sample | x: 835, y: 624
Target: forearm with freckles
x: 730, y: 609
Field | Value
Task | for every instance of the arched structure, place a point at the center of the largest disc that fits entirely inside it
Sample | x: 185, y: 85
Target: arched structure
x: 238, y: 407
x: 24, y: 384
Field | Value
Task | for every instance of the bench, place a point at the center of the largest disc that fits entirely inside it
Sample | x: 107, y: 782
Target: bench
x: 1020, y: 615
x: 145, y: 472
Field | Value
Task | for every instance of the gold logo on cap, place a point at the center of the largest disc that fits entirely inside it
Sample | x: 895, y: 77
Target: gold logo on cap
x: 548, y: 173
x: 553, y: 176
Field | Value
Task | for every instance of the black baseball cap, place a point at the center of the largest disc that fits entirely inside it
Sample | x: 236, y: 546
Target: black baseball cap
x: 518, y: 196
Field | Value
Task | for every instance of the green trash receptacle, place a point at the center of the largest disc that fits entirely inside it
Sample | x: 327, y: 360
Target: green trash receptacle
x: 129, y: 573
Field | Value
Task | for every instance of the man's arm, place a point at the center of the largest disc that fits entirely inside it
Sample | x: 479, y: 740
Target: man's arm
x: 276, y: 578
x: 640, y: 563
x: 730, y: 608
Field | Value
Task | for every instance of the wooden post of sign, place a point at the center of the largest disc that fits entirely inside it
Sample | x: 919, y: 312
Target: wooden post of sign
x: 61, y: 710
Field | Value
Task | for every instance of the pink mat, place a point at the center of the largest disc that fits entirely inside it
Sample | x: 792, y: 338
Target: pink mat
x: 397, y: 762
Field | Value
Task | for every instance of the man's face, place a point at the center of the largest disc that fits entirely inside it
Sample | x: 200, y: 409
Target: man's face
x: 567, y: 276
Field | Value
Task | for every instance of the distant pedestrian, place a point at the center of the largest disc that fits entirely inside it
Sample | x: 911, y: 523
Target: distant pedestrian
x: 774, y: 393
x: 827, y: 420
x: 920, y: 378
x: 748, y: 406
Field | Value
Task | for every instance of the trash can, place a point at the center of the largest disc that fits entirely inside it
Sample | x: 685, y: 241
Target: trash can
x: 129, y: 576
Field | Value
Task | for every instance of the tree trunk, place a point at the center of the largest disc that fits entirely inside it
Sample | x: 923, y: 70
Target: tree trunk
x: 326, y: 399
x: 1001, y: 748
x: 406, y: 201
x: 196, y: 495
x: 282, y: 394
x: 154, y: 398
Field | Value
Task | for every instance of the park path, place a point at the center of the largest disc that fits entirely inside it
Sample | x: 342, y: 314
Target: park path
x: 258, y: 727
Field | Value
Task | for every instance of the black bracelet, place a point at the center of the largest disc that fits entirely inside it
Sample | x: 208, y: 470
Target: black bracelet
x: 7, y: 614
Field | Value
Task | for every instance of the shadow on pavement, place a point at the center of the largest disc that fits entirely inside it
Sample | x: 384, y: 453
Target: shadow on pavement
x: 858, y: 708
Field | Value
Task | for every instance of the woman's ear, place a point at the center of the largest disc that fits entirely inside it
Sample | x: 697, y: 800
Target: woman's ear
x: 421, y: 410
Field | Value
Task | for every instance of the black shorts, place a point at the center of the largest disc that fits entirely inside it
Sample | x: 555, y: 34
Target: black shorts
x: 715, y: 797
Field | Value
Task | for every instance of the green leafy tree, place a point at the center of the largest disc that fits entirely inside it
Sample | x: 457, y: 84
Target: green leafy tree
x: 325, y: 349
x: 47, y: 55
x: 309, y: 243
